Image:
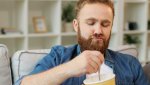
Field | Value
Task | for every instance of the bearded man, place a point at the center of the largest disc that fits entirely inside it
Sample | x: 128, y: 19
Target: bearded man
x: 69, y: 65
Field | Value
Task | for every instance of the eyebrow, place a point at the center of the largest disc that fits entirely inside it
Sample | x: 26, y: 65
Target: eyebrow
x: 94, y: 19
x: 108, y: 21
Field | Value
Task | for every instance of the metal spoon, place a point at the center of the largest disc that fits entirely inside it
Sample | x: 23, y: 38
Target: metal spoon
x: 99, y: 74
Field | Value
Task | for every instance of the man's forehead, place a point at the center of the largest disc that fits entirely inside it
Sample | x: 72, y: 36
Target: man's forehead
x: 95, y: 10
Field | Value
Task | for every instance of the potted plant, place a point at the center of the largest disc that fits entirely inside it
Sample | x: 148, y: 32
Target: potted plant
x: 130, y: 39
x: 148, y: 24
x: 68, y: 15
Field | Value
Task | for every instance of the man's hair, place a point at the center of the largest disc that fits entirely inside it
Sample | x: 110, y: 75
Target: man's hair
x: 81, y: 3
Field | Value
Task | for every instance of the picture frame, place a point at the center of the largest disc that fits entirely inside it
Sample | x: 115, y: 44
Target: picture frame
x: 39, y: 24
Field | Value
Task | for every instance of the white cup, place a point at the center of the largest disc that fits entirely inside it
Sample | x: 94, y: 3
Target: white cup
x: 105, y: 79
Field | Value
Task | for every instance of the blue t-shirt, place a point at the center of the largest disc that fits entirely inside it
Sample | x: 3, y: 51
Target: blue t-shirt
x: 127, y: 68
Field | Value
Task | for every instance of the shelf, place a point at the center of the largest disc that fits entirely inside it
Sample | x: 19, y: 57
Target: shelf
x: 13, y: 44
x: 133, y: 32
x: 12, y: 36
x: 42, y: 0
x: 9, y: 0
x: 67, y: 26
x: 69, y: 0
x: 114, y: 31
x: 135, y: 1
x: 72, y: 40
x: 48, y: 9
x: 132, y: 14
x: 116, y: 18
x: 69, y: 34
x: 148, y: 47
x: 10, y: 16
x: 113, y: 41
x: 18, y: 15
x: 42, y: 34
x: 43, y: 42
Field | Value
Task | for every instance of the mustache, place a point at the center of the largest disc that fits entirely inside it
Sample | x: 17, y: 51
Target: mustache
x: 91, y: 41
x: 96, y: 36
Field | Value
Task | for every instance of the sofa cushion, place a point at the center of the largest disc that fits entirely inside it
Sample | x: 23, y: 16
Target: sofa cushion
x: 23, y: 62
x: 128, y: 49
x: 5, y: 71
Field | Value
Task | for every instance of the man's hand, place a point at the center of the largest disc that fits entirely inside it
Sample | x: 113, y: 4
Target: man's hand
x: 87, y: 62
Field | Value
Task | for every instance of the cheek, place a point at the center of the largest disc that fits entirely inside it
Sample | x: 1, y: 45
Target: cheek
x: 86, y: 31
x: 107, y: 34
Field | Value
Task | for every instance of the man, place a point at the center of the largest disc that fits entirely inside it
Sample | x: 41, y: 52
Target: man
x: 69, y: 65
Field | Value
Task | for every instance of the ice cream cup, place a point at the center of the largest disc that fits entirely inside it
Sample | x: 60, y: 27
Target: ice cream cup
x: 105, y: 79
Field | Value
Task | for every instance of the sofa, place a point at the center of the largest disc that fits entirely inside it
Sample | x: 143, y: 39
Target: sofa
x: 23, y: 62
x: 5, y: 70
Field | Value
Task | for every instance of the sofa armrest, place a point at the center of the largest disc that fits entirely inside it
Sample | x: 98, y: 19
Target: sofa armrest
x: 5, y: 71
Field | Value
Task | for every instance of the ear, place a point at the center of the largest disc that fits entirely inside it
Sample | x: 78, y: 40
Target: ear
x: 75, y: 25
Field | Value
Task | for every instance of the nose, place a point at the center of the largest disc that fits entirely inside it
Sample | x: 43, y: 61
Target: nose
x: 98, y: 30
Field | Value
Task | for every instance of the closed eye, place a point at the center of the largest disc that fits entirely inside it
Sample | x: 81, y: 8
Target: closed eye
x: 91, y: 21
x: 105, y: 23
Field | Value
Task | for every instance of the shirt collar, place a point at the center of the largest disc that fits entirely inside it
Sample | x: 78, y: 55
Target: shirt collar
x: 108, y: 56
x: 78, y: 49
x: 108, y: 59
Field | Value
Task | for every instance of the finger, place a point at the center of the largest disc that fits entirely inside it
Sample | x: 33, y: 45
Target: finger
x: 90, y: 70
x: 94, y: 66
x: 99, y: 56
x: 98, y: 53
x: 96, y: 60
x: 101, y: 59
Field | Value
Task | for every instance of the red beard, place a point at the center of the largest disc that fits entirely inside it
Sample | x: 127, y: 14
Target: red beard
x: 95, y: 42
